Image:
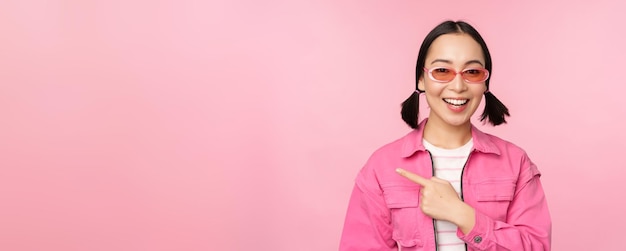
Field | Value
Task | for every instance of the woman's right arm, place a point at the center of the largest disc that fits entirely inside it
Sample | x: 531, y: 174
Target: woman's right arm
x: 367, y: 225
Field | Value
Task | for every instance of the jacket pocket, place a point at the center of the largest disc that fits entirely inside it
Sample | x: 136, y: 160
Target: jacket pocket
x: 495, y: 195
x: 403, y: 203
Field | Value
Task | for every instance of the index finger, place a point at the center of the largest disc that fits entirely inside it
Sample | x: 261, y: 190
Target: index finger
x: 413, y: 177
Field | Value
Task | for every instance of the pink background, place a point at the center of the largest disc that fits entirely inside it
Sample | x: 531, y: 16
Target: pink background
x: 240, y: 125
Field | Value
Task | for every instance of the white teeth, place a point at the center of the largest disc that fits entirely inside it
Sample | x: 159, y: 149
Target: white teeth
x: 455, y: 101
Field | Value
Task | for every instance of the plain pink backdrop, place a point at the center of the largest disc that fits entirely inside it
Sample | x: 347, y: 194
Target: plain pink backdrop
x: 240, y: 125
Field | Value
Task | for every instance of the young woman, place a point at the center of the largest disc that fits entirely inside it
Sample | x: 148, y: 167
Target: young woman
x: 446, y: 185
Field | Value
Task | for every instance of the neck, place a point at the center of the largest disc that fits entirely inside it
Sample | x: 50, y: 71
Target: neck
x: 447, y: 136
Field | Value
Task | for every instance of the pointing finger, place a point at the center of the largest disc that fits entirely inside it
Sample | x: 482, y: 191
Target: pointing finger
x: 413, y: 177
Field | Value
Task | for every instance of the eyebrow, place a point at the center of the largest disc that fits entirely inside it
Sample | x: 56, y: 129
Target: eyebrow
x: 450, y: 62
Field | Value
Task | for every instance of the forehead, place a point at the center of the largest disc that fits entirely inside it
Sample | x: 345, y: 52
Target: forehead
x: 457, y: 48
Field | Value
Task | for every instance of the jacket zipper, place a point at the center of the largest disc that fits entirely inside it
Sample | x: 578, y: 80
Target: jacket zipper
x: 462, y: 173
x: 432, y: 169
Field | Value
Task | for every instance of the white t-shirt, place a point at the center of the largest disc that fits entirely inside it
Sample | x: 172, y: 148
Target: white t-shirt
x: 448, y: 165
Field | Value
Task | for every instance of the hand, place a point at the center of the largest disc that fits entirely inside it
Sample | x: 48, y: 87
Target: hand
x: 440, y: 201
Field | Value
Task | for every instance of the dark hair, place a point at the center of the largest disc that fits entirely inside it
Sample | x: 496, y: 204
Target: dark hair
x: 494, y: 109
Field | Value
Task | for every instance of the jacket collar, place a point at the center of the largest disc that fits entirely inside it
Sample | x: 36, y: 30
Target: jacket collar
x: 413, y: 141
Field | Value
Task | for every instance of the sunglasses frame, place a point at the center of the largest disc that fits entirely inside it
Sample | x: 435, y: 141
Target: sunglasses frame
x: 430, y: 74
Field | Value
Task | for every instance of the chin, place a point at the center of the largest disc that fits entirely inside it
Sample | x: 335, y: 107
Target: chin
x: 457, y: 121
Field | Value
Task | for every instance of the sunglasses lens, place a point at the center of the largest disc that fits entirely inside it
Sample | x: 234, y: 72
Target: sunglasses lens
x: 475, y: 75
x: 443, y: 74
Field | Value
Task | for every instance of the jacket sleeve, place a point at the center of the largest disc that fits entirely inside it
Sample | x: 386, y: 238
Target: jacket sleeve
x: 528, y: 225
x: 367, y: 224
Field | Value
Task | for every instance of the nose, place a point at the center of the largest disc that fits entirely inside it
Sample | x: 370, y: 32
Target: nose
x: 458, y: 84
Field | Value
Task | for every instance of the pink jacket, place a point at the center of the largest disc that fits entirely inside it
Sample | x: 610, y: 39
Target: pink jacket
x: 498, y: 180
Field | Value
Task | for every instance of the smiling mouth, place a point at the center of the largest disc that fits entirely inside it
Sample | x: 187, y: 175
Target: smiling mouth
x: 456, y: 102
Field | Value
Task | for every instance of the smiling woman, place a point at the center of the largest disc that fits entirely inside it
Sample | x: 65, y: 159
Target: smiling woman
x: 450, y: 98
x: 446, y: 185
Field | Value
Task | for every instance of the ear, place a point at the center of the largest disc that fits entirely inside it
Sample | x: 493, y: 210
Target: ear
x: 420, y: 84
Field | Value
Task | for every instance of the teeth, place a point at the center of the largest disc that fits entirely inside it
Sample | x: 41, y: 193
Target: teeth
x: 455, y: 101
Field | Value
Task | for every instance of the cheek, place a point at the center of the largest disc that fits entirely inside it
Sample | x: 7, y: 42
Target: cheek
x: 434, y: 89
x: 432, y: 94
x: 477, y: 102
x: 478, y: 92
